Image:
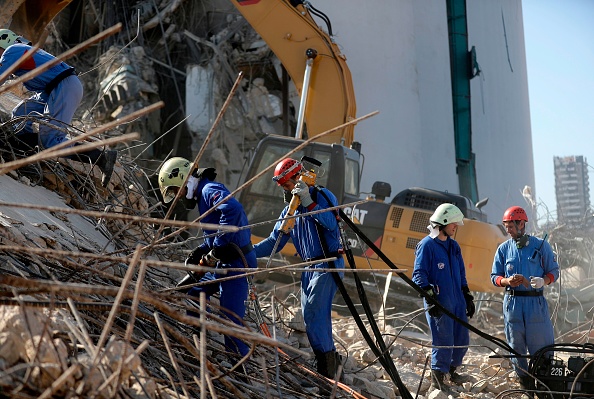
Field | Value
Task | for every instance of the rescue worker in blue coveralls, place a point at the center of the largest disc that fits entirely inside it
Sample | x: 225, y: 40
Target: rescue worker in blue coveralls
x: 57, y: 93
x: 524, y: 265
x: 315, y: 237
x: 224, y: 250
x: 439, y: 270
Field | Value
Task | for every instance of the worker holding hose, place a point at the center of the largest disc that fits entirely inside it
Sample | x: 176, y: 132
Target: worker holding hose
x: 439, y: 270
x: 316, y: 237
x: 223, y: 250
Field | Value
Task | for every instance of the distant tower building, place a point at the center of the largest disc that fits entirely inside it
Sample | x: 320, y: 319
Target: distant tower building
x: 572, y: 189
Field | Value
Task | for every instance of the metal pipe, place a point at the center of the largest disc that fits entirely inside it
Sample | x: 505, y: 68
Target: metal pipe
x: 311, y: 54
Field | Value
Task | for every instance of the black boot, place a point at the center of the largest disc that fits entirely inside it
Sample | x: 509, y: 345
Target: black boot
x: 457, y: 378
x: 437, y: 381
x: 327, y: 363
x: 338, y: 362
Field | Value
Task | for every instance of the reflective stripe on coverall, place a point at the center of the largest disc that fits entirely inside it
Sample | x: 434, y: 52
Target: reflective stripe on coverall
x: 527, y: 321
x: 439, y: 264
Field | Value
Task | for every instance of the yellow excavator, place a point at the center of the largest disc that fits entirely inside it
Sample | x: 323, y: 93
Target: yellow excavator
x: 30, y: 17
x: 319, y: 71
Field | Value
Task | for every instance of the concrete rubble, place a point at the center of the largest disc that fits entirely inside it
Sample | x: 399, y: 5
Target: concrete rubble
x: 89, y: 305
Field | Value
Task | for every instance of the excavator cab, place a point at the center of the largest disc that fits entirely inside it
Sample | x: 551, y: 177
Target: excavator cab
x: 263, y: 200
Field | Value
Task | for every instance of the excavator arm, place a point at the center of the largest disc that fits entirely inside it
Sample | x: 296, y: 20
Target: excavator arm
x: 29, y: 18
x: 291, y: 33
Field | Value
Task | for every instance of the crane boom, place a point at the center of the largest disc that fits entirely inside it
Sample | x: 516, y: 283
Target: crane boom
x: 290, y: 32
x: 29, y: 18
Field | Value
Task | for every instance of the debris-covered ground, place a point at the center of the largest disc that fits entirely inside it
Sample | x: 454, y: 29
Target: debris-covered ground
x: 89, y: 311
x: 87, y: 274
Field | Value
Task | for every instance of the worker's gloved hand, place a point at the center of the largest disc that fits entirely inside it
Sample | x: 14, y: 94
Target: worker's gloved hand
x: 209, y: 259
x: 470, y: 308
x: 192, y: 185
x: 433, y: 310
x: 196, y: 255
x: 536, y: 282
x: 302, y: 191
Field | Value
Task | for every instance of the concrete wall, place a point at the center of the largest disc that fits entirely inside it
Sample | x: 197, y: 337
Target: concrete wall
x: 399, y: 58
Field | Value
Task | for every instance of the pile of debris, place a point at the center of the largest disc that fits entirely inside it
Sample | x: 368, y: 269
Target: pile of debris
x: 88, y: 274
x: 91, y: 312
x: 90, y: 307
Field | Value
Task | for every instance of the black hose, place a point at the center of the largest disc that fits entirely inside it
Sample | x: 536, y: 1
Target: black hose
x: 323, y: 16
x: 380, y: 352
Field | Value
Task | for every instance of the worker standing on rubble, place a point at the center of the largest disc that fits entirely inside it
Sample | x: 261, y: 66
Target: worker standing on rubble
x: 439, y: 270
x: 315, y: 237
x: 524, y: 265
x: 57, y: 93
x: 223, y: 250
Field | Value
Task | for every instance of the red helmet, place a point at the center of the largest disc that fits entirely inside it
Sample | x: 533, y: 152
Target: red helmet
x: 515, y: 213
x: 285, y: 170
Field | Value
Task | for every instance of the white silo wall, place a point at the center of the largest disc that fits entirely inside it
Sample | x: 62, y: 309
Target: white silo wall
x: 398, y: 54
x: 502, y: 137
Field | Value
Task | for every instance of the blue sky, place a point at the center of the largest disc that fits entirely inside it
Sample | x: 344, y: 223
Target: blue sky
x: 559, y: 37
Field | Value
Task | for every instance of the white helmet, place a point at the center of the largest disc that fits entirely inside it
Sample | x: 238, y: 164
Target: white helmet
x: 7, y: 38
x: 172, y: 175
x: 446, y: 214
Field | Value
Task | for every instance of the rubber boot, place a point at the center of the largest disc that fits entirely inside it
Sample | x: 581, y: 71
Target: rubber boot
x: 327, y: 363
x: 457, y: 378
x: 437, y: 381
x: 338, y: 362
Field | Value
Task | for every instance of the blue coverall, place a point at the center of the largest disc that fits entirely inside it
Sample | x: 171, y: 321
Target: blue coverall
x: 233, y: 292
x: 527, y: 321
x: 59, y: 105
x: 317, y: 288
x: 439, y: 264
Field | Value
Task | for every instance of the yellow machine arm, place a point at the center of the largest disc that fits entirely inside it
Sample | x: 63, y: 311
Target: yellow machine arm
x: 290, y: 32
x: 28, y: 18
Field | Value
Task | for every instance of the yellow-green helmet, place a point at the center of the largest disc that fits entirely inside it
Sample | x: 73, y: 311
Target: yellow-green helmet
x: 173, y: 173
x: 7, y: 37
x: 446, y: 214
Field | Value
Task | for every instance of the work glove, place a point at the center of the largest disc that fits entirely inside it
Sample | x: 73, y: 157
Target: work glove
x: 470, y: 308
x: 196, y: 255
x: 192, y: 184
x: 302, y: 191
x: 209, y: 259
x: 536, y: 282
x: 433, y: 310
